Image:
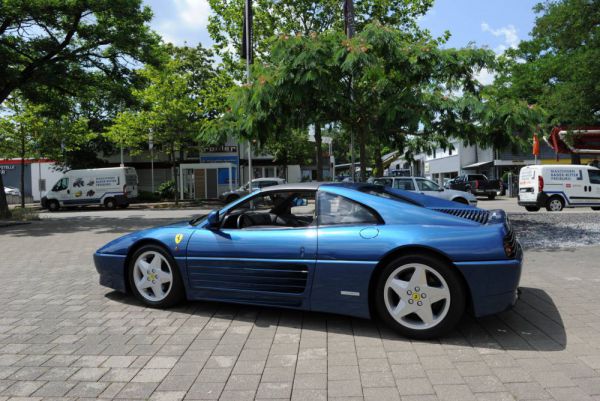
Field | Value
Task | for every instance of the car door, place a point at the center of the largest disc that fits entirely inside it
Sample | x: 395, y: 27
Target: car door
x: 348, y: 239
x: 427, y: 187
x: 62, y: 191
x: 594, y: 186
x: 269, y: 264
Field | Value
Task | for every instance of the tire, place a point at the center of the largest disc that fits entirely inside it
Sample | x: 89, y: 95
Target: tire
x: 532, y: 208
x: 555, y: 204
x: 231, y: 198
x: 110, y: 203
x: 124, y: 206
x: 449, y: 291
x: 158, y: 294
x: 492, y: 196
x: 461, y: 200
x: 595, y: 208
x: 53, y: 205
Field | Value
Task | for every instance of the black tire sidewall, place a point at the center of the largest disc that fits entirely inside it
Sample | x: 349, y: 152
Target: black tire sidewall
x: 462, y: 201
x: 55, y: 208
x: 177, y: 293
x: 110, y: 204
x: 562, y: 203
x: 455, y: 285
x: 532, y: 208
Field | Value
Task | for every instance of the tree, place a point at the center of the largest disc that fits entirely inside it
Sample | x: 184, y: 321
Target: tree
x: 291, y: 17
x: 28, y: 130
x: 178, y: 98
x: 50, y: 50
x: 407, y: 92
x: 558, y: 69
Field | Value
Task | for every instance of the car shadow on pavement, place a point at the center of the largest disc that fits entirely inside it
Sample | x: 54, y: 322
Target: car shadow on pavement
x: 89, y: 225
x: 534, y: 324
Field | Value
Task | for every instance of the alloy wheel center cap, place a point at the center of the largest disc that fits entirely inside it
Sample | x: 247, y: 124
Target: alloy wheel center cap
x: 151, y: 276
x: 416, y: 296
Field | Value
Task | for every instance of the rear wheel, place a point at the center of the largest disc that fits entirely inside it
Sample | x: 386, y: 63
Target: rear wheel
x: 419, y: 296
x: 492, y: 196
x: 154, y: 277
x: 124, y: 206
x: 110, y: 203
x: 461, y: 200
x: 53, y: 205
x: 532, y: 208
x: 555, y: 204
x: 595, y: 208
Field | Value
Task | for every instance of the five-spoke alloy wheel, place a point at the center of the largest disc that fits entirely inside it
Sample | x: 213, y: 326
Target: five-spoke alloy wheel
x: 154, y: 278
x: 420, y: 296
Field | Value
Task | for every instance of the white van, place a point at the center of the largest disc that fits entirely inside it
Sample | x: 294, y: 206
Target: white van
x: 556, y: 186
x: 108, y: 187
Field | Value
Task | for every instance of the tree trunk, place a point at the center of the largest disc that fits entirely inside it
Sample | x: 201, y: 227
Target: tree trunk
x: 22, y: 170
x: 575, y: 158
x: 362, y: 155
x: 4, y: 211
x: 378, y: 161
x: 319, y: 155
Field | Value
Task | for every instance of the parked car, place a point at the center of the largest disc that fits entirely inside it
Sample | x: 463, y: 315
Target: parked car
x: 12, y: 191
x: 477, y: 184
x: 427, y: 187
x: 558, y: 186
x: 108, y: 187
x: 244, y: 190
x: 415, y: 261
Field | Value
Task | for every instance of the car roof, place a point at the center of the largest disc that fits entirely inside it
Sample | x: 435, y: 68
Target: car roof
x: 315, y: 185
x: 268, y: 179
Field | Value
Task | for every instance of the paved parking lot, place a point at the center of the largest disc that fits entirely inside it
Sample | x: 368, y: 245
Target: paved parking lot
x: 64, y: 337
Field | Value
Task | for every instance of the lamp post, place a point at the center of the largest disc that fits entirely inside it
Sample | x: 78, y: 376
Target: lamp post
x: 349, y: 28
x: 151, y: 147
x: 247, y: 54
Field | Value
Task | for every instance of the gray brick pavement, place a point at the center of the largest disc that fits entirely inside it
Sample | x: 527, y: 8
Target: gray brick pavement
x: 64, y: 337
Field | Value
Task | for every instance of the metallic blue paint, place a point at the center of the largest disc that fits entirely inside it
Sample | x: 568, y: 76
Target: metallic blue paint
x: 327, y: 268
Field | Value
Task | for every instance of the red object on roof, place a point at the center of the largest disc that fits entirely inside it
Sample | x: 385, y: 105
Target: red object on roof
x: 567, y: 140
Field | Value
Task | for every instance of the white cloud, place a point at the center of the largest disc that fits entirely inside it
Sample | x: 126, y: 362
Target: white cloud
x: 193, y: 13
x: 509, y: 32
x: 485, y: 76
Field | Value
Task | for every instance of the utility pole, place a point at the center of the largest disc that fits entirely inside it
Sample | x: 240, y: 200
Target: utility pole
x: 247, y: 54
x: 349, y: 28
x: 151, y: 146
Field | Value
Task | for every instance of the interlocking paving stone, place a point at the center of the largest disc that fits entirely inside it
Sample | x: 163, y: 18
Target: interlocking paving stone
x: 74, y: 340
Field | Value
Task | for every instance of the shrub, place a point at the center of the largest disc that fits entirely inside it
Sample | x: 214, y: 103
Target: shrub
x: 167, y: 189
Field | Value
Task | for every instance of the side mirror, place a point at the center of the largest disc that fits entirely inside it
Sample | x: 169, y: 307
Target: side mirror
x: 213, y: 218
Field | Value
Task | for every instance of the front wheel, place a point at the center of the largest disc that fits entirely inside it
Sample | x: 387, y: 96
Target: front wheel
x: 461, y: 200
x: 154, y: 277
x: 532, y: 208
x: 53, y: 205
x: 491, y: 196
x: 420, y: 296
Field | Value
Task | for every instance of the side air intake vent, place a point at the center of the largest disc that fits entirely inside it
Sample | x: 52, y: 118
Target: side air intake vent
x: 478, y: 215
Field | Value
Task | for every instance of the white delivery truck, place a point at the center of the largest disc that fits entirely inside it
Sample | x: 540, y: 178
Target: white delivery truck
x: 556, y: 186
x: 108, y: 187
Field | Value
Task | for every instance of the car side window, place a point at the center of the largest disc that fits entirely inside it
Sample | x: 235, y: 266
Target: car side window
x: 338, y: 210
x: 426, y: 185
x: 386, y: 182
x: 404, y: 183
x: 594, y: 176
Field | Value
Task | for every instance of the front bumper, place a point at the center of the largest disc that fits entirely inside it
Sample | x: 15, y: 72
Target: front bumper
x: 112, y: 270
x: 493, y: 284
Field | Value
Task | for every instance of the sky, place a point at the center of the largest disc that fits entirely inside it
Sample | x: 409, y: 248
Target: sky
x: 496, y: 24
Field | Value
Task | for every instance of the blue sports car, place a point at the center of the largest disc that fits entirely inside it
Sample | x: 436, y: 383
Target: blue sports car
x: 415, y: 261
